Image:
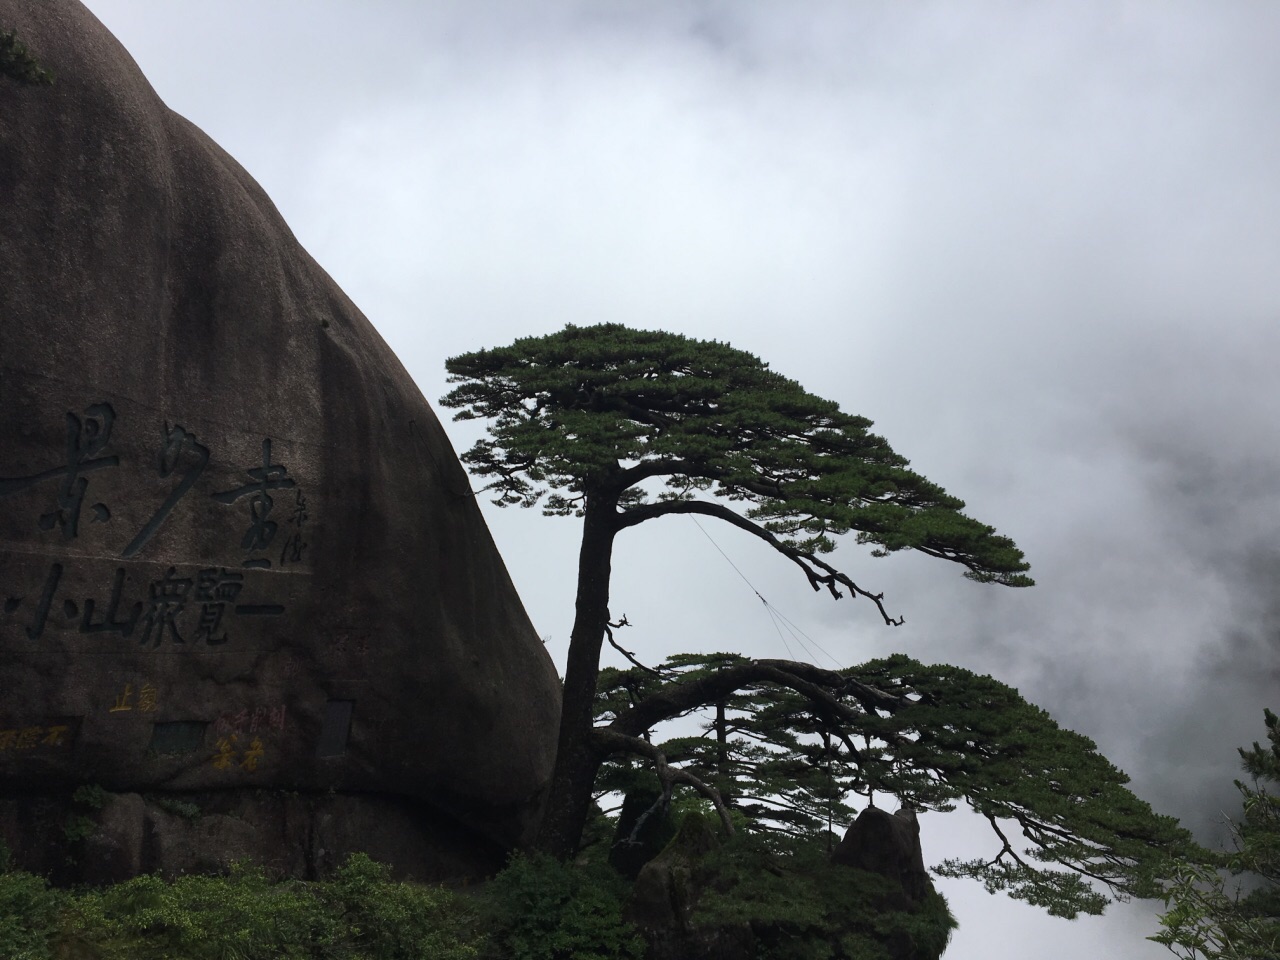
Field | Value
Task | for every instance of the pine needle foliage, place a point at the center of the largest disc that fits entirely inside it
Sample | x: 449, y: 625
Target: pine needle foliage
x: 607, y: 409
x: 1205, y: 919
x: 622, y: 426
x: 964, y: 736
x: 1070, y: 835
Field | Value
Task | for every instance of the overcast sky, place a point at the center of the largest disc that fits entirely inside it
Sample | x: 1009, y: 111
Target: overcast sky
x: 1036, y: 243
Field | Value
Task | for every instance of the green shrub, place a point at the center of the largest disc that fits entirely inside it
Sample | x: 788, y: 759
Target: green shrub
x: 798, y: 906
x: 238, y: 917
x: 80, y: 825
x: 90, y: 796
x: 29, y: 916
x: 179, y: 808
x: 540, y: 909
x: 359, y: 915
x: 399, y: 921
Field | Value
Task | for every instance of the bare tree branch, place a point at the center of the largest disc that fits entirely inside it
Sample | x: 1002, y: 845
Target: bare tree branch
x: 1006, y: 846
x: 608, y: 632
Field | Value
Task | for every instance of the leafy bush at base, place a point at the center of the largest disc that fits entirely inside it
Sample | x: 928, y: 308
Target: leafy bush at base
x: 359, y: 915
x: 399, y: 921
x: 540, y: 909
x: 799, y: 907
x: 29, y: 911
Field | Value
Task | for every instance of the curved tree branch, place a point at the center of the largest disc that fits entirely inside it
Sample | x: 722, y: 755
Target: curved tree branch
x: 819, y: 573
x: 679, y: 696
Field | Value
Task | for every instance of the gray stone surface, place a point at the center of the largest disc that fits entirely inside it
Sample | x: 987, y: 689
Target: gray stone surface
x: 237, y: 551
x: 888, y: 844
x: 288, y: 834
x: 666, y: 893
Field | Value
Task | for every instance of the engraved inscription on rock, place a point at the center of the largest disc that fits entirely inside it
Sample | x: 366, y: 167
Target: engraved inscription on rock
x: 237, y: 551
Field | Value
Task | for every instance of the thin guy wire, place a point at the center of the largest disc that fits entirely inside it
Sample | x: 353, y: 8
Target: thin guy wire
x: 795, y: 631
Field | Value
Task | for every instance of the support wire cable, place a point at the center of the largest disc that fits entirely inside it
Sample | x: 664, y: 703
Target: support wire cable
x: 776, y: 617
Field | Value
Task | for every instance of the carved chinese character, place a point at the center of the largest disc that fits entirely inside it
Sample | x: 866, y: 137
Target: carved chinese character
x: 36, y: 629
x: 215, y: 588
x: 85, y: 440
x: 226, y: 754
x: 252, y: 755
x: 175, y: 443
x: 122, y: 701
x: 167, y: 600
x: 28, y: 737
x: 261, y: 530
x: 295, y: 545
x: 109, y: 623
x: 147, y: 699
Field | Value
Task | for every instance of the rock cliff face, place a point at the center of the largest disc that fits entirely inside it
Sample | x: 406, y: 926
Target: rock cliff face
x: 237, y: 552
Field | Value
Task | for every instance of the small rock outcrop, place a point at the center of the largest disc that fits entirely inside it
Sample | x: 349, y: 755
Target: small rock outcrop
x: 666, y: 893
x: 887, y: 844
x: 643, y: 830
x: 703, y: 898
x: 240, y: 564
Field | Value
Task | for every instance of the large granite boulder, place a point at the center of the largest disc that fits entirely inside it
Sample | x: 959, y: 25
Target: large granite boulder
x: 238, y: 555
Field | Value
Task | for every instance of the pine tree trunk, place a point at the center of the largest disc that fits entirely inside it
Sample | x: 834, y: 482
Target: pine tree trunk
x: 569, y: 800
x: 723, y: 779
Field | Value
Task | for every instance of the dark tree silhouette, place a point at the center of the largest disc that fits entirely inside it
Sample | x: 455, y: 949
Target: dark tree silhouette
x: 619, y: 427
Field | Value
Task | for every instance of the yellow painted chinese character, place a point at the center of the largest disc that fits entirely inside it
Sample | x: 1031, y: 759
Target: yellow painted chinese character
x: 226, y: 752
x: 122, y: 701
x: 6, y: 738
x: 54, y: 735
x: 147, y: 699
x: 250, y: 761
x: 28, y: 738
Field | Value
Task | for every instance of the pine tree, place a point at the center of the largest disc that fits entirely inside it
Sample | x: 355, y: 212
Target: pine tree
x: 1208, y: 921
x: 620, y: 427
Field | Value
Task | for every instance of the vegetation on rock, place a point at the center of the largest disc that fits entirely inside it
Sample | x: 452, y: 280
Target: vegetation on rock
x: 17, y: 62
x: 790, y: 767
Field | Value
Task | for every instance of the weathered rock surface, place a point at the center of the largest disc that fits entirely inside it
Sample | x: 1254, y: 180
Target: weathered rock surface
x: 868, y: 897
x: 237, y: 552
x: 887, y: 844
x: 289, y: 834
x: 666, y: 893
